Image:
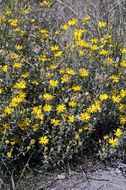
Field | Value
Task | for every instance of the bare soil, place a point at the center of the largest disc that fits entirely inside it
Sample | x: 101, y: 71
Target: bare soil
x: 92, y: 175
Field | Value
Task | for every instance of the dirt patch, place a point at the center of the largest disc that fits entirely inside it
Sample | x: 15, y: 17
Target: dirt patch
x: 89, y: 176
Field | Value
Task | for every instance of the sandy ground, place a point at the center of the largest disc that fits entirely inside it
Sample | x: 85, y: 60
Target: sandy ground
x: 90, y: 176
x: 98, y: 178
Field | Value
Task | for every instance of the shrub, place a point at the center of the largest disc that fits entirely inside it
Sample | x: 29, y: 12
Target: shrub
x: 59, y: 96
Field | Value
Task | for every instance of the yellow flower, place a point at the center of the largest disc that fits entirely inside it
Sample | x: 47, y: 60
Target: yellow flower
x: 54, y: 48
x: 94, y: 40
x: 72, y: 103
x: 123, y: 93
x: 47, y: 96
x: 35, y: 82
x: 28, y: 147
x: 4, y: 68
x: 103, y: 52
x: 9, y: 154
x: 113, y: 142
x: 122, y: 119
x: 103, y: 97
x: 114, y: 78
x: 84, y: 116
x: 47, y: 108
x: 122, y: 107
x: 123, y: 63
x: 71, y: 118
x: 103, y: 149
x: 8, y: 110
x: 25, y: 75
x: 101, y: 24
x: 70, y: 71
x: 43, y: 140
x: 1, y: 90
x: 18, y: 47
x: 84, y: 72
x: 57, y: 32
x: 45, y: 4
x: 76, y: 88
x: 53, y: 83
x: 77, y: 137
x: 55, y: 122
x: 65, y: 78
x: 106, y: 137
x: 7, y: 141
x: 72, y: 22
x: 61, y: 108
x: 118, y: 132
x: 64, y: 27
x: 92, y: 108
x: 13, y: 22
x: 116, y: 99
x: 21, y: 84
x: 16, y: 65
x: 58, y: 54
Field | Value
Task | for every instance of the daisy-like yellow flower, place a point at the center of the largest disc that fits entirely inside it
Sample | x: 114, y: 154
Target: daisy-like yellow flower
x: 106, y: 137
x: 55, y: 122
x: 53, y: 83
x: 47, y: 96
x: 94, y: 40
x: 20, y: 84
x: 25, y: 75
x: 43, y: 140
x: 116, y: 99
x: 92, y: 108
x: 102, y: 24
x: 72, y: 103
x: 70, y: 71
x: 46, y: 4
x: 54, y: 48
x: 84, y: 116
x: 122, y: 119
x: 47, y: 108
x: 60, y: 108
x: 72, y: 22
x: 64, y: 27
x: 103, y: 52
x: 123, y: 63
x: 5, y: 68
x: 122, y: 107
x: 18, y: 47
x: 118, y: 132
x: 65, y: 78
x: 114, y: 78
x: 123, y: 93
x: 84, y: 72
x: 103, y: 97
x: 17, y: 65
x: 71, y: 118
x: 113, y: 142
x: 8, y: 110
x: 58, y: 54
x: 76, y: 88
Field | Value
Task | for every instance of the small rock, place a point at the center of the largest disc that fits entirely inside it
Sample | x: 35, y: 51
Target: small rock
x: 61, y: 176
